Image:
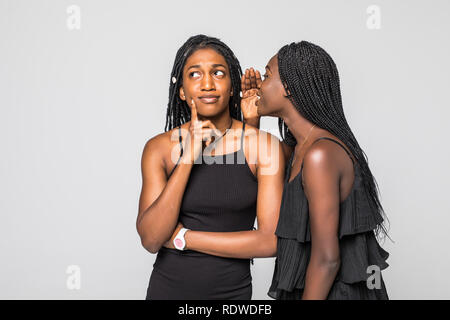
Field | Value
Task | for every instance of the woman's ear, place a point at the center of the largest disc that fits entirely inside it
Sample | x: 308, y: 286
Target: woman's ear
x: 231, y: 93
x: 182, y: 96
x: 288, y: 93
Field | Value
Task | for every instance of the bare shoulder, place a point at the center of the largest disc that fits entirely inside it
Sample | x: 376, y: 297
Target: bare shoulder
x: 249, y: 129
x: 153, y: 150
x: 158, y: 148
x: 318, y: 155
x: 271, y: 140
x: 267, y: 147
x: 325, y: 154
x: 262, y: 136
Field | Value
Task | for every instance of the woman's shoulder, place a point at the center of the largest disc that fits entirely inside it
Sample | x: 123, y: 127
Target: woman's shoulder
x: 162, y: 143
x: 327, y: 155
x: 254, y: 132
x: 165, y: 139
x: 327, y: 149
x: 263, y: 146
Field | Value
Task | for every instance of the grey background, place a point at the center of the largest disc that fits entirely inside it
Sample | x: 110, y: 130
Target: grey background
x: 77, y: 107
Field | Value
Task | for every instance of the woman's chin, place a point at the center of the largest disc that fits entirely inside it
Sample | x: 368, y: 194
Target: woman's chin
x: 210, y: 110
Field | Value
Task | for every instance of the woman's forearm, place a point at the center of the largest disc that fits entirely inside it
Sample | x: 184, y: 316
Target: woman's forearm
x: 158, y: 221
x: 239, y: 244
x: 319, y: 280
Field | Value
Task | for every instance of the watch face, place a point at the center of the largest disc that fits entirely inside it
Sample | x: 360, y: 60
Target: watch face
x: 178, y: 243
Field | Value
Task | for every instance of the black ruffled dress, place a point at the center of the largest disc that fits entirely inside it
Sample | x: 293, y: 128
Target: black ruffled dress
x: 358, y: 246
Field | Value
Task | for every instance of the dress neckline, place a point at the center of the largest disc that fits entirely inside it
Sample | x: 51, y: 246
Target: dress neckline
x: 223, y: 154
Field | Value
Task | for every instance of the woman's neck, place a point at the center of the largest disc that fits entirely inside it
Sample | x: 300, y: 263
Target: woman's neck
x: 298, y: 126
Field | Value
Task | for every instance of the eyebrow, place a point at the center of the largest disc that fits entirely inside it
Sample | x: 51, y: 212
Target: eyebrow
x: 214, y: 66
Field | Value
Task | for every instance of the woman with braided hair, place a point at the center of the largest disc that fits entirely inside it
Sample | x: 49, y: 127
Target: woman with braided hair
x: 199, y: 215
x: 330, y: 215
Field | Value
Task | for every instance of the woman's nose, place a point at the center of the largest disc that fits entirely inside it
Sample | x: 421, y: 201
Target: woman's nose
x: 208, y: 83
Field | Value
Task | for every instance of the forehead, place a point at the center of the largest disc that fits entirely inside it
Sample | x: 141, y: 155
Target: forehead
x: 205, y: 57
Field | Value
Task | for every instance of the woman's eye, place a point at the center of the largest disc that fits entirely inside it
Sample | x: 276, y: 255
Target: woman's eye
x: 194, y: 73
x: 219, y: 73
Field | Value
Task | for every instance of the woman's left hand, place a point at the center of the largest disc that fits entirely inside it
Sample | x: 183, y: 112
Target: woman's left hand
x: 250, y: 84
x: 169, y: 243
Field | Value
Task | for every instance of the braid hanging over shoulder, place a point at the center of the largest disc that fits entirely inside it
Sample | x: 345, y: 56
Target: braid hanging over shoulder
x: 310, y: 75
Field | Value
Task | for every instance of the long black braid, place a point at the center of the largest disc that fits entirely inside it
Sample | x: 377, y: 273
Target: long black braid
x: 312, y: 81
x: 178, y: 111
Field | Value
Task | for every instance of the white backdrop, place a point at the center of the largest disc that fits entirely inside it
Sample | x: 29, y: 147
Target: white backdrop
x: 84, y: 84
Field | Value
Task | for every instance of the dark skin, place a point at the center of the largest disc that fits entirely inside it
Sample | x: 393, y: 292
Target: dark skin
x: 250, y: 84
x: 206, y: 74
x: 327, y: 175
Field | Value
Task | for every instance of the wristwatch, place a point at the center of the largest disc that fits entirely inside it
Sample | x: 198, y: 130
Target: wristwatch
x: 179, y: 242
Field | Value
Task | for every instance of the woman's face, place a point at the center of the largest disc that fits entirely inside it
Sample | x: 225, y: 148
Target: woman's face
x: 272, y: 93
x: 206, y: 79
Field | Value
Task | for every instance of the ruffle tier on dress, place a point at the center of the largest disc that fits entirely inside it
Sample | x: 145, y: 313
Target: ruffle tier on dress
x: 358, y: 245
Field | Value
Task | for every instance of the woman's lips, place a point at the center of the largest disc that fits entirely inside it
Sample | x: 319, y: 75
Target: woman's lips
x: 209, y: 99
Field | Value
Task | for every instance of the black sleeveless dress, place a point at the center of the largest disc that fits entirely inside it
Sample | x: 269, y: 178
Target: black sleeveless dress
x: 220, y: 197
x: 358, y: 246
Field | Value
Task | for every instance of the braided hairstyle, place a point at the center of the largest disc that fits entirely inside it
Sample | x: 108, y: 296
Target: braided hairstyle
x: 311, y: 78
x: 178, y: 111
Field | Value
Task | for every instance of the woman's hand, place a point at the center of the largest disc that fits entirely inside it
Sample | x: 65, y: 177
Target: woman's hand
x: 250, y: 84
x: 199, y: 131
x: 169, y: 244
